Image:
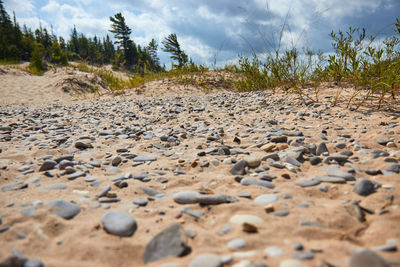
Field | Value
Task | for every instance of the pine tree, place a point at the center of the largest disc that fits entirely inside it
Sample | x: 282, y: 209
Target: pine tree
x: 171, y: 45
x: 122, y: 33
x: 36, y: 65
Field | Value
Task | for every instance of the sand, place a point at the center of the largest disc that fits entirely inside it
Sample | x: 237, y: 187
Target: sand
x: 335, y: 231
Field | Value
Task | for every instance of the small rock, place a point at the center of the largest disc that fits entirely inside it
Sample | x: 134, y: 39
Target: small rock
x: 206, y: 260
x: 273, y: 251
x: 14, y: 186
x: 252, y: 161
x: 266, y: 199
x: 363, y: 187
x: 304, y: 256
x: 186, y: 197
x: 240, y: 219
x: 322, y: 148
x: 364, y: 257
x: 64, y: 209
x: 119, y: 223
x: 239, y: 168
x: 47, y: 165
x: 169, y: 242
x: 237, y: 243
x: 82, y: 145
x: 292, y: 263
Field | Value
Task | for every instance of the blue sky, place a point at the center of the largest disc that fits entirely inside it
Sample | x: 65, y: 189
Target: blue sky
x: 211, y: 30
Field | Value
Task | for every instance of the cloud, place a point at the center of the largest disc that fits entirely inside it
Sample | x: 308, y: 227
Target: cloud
x: 212, y: 29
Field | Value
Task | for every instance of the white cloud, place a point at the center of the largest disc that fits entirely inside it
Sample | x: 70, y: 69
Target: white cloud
x: 20, y: 9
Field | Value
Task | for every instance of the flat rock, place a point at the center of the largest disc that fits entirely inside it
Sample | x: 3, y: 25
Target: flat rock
x: 64, y: 209
x: 212, y: 199
x: 252, y: 181
x: 119, y: 223
x: 14, y: 186
x: 169, y: 242
x: 266, y: 199
x: 206, y: 260
x: 273, y: 251
x: 330, y: 179
x: 237, y: 243
x: 309, y: 183
x: 145, y: 158
x: 337, y: 172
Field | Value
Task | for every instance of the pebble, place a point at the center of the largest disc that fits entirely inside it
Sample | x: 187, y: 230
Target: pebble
x: 14, y: 186
x: 252, y: 161
x: 251, y: 181
x: 119, y: 223
x: 273, y: 251
x: 245, y: 218
x: 304, y: 255
x: 292, y: 263
x: 186, y: 197
x: 239, y: 168
x: 206, y: 260
x: 364, y: 257
x: 237, y: 243
x: 169, y: 242
x: 64, y: 209
x: 364, y: 187
x: 47, y: 165
x: 266, y: 199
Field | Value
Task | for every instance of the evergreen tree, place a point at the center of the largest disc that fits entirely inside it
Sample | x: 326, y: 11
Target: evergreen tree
x: 57, y: 55
x: 152, y: 48
x: 122, y: 33
x: 171, y: 45
x: 36, y: 65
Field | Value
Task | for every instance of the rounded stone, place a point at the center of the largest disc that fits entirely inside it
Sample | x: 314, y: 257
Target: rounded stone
x: 119, y: 223
x: 366, y: 257
x: 363, y: 187
x: 252, y: 161
x: 208, y: 260
x: 237, y: 243
x: 266, y: 199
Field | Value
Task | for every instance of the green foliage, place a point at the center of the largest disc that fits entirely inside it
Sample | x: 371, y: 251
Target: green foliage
x: 57, y: 55
x: 36, y: 64
x: 171, y: 45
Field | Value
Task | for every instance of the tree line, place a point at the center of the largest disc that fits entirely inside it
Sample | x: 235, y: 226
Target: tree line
x: 22, y: 44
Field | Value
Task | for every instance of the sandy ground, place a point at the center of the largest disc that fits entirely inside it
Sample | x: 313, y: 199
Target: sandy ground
x: 336, y: 232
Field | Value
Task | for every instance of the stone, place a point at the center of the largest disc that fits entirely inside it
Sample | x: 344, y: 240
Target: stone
x: 266, y: 199
x: 252, y: 181
x: 273, y: 251
x: 279, y: 139
x: 245, y: 218
x: 292, y: 161
x: 237, y: 243
x: 64, y: 209
x: 119, y: 223
x: 83, y: 145
x: 206, y: 260
x: 116, y: 161
x: 308, y: 183
x: 186, y: 197
x: 169, y: 242
x: 383, y: 141
x: 34, y: 263
x: 104, y: 191
x: 252, y: 161
x: 58, y: 186
x: 322, y: 148
x: 239, y: 168
x: 281, y: 213
x: 212, y: 199
x: 145, y: 158
x: 364, y: 257
x: 337, y: 172
x: 197, y: 214
x: 14, y: 186
x: 304, y: 255
x: 75, y: 175
x: 47, y: 165
x: 149, y: 191
x: 364, y: 187
x: 393, y: 168
x: 292, y: 263
x: 140, y: 202
x: 330, y: 179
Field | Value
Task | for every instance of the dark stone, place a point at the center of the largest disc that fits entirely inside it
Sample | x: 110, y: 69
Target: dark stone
x: 364, y: 187
x: 169, y: 242
x: 239, y: 168
x: 82, y: 145
x: 48, y: 165
x: 315, y: 160
x: 64, y: 209
x: 321, y: 148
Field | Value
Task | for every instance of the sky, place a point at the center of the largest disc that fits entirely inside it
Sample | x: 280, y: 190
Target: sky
x: 214, y: 31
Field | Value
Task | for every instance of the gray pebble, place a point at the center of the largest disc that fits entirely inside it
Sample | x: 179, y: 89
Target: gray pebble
x: 119, y: 223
